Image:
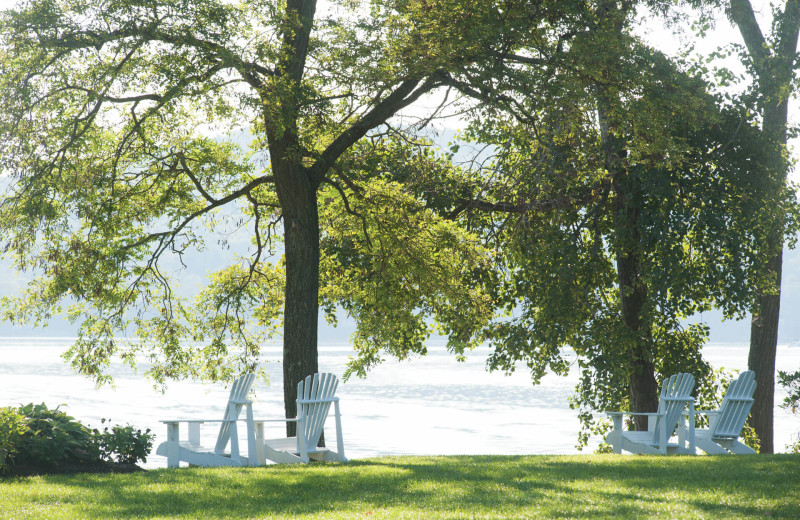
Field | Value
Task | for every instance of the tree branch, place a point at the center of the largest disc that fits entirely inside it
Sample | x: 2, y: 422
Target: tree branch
x: 243, y: 191
x: 741, y: 12
x: 297, y: 36
x: 788, y: 31
x: 406, y: 93
x: 533, y: 206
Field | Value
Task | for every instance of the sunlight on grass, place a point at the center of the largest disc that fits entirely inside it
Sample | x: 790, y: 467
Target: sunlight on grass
x: 490, y: 487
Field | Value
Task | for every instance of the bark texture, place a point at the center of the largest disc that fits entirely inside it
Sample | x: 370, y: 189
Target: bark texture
x: 297, y: 189
x: 301, y: 308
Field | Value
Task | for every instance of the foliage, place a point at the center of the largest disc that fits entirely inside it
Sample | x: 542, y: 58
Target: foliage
x: 392, y: 261
x: 48, y: 438
x: 123, y: 444
x: 12, y: 426
x: 491, y: 487
x: 662, y: 186
x: 53, y: 438
x: 121, y: 129
x: 791, y: 381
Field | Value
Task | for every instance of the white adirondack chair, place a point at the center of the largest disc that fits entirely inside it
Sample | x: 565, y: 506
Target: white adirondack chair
x: 196, y: 455
x: 725, y: 424
x: 676, y: 395
x: 314, y: 397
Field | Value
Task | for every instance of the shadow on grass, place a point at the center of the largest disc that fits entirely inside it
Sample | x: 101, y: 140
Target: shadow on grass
x: 438, y: 487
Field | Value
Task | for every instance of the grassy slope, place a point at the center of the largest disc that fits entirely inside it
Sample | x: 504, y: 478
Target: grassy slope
x: 429, y: 487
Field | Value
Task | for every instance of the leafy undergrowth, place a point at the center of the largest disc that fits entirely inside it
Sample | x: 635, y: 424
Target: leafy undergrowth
x: 593, y: 487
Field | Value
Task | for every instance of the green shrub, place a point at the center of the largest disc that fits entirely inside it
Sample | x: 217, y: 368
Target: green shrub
x: 123, y: 444
x: 53, y: 438
x: 12, y: 427
x: 38, y: 436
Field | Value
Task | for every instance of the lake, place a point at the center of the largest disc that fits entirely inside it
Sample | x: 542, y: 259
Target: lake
x: 430, y: 405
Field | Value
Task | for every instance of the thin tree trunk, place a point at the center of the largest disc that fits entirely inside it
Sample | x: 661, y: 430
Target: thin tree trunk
x: 761, y: 359
x: 774, y: 63
x: 764, y: 325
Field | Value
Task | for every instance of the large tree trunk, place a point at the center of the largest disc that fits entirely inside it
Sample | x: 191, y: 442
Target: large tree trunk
x: 296, y: 187
x: 642, y: 385
x: 298, y: 196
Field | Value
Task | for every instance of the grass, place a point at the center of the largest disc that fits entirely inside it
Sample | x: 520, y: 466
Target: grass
x: 586, y: 486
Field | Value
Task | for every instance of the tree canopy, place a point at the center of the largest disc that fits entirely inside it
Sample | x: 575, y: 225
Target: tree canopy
x: 618, y: 195
x: 634, y: 197
x: 117, y: 131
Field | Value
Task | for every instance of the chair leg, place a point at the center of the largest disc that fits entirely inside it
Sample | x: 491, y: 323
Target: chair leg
x: 262, y: 457
x: 234, y: 436
x: 692, y: 435
x: 173, y: 445
x: 339, y: 437
x: 302, y: 442
x: 615, y: 436
x: 662, y: 436
x: 252, y: 447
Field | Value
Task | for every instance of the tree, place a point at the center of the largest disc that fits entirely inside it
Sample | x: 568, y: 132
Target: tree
x: 772, y: 61
x: 630, y: 208
x: 103, y: 111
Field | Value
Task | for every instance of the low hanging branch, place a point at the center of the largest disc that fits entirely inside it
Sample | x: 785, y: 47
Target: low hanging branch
x: 589, y: 194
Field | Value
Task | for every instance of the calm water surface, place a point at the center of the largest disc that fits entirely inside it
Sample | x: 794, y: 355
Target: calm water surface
x: 430, y: 405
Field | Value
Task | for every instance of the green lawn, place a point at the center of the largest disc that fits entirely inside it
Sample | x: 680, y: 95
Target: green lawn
x: 429, y: 488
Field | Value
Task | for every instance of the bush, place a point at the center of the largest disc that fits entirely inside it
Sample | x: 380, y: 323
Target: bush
x: 12, y: 427
x: 35, y: 435
x: 54, y: 438
x: 123, y: 444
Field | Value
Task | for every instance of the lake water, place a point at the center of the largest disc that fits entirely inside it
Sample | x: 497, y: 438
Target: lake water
x: 429, y: 405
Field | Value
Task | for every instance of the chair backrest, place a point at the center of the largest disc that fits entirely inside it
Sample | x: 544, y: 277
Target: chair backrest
x: 735, y: 406
x: 239, y: 390
x: 316, y: 387
x: 676, y: 393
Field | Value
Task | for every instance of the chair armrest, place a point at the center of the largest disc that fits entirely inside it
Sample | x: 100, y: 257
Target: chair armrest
x: 314, y: 401
x: 617, y: 417
x: 200, y: 421
x: 173, y: 421
x: 620, y: 414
